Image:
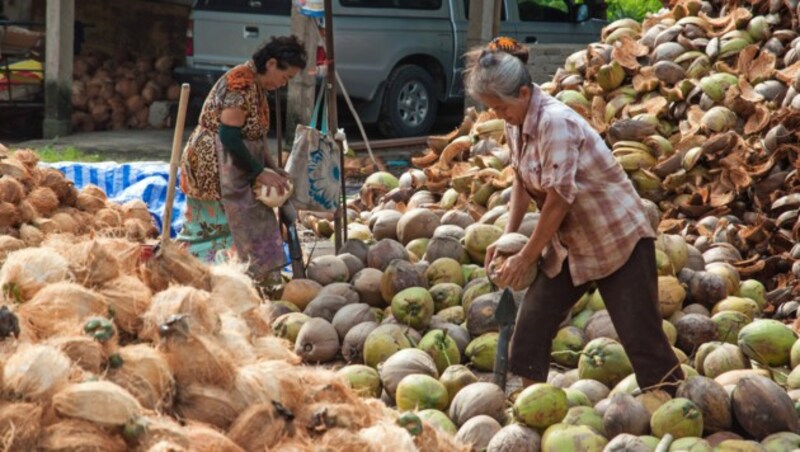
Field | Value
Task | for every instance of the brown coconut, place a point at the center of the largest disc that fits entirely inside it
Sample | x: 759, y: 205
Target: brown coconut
x: 196, y: 359
x: 384, y: 224
x: 417, y: 223
x: 44, y: 200
x: 353, y: 263
x: 327, y: 270
x: 343, y: 289
x: 65, y: 223
x: 353, y: 342
x: 136, y: 209
x: 20, y: 425
x: 107, y: 217
x: 8, y: 245
x: 83, y: 351
x: 694, y: 330
x: 35, y: 372
x: 162, y: 430
x: 625, y: 415
x: 55, y: 181
x: 126, y: 252
x: 11, y: 191
x: 317, y: 341
x: 384, y: 252
x: 260, y: 427
x: 59, y: 308
x: 355, y: 247
x: 206, y: 439
x: 440, y: 247
x: 136, y: 231
x: 234, y: 338
x: 367, y: 283
x: 300, y: 292
x: 712, y: 400
x: 400, y: 275
x: 208, y: 404
x: 129, y: 298
x: 16, y: 169
x: 194, y: 303
x: 91, y: 264
x: 762, y: 407
x: 173, y: 264
x: 514, y: 437
x: 405, y: 362
x: 480, y: 316
x: 232, y: 289
x: 145, y: 373
x: 100, y: 402
x: 326, y: 306
x: 600, y: 325
x: 9, y: 215
x: 30, y: 235
x: 275, y: 348
x: 27, y: 271
x: 74, y: 434
x: 351, y: 315
x: 26, y: 212
x: 476, y: 399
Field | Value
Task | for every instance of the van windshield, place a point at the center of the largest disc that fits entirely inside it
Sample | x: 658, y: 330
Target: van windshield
x: 400, y: 4
x: 275, y: 7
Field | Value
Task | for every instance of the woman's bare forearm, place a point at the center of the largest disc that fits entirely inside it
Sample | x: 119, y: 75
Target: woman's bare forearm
x: 518, y: 206
x: 553, y: 213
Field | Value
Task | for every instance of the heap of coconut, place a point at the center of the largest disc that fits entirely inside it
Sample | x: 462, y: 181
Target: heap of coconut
x: 36, y: 201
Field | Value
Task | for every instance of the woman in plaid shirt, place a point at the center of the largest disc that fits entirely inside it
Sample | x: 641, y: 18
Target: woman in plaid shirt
x: 592, y: 226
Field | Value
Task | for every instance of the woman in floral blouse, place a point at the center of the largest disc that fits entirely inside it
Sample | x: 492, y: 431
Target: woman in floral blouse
x: 227, y: 153
x: 592, y: 228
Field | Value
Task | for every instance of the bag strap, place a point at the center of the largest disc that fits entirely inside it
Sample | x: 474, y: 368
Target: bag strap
x: 317, y: 105
x: 324, y: 125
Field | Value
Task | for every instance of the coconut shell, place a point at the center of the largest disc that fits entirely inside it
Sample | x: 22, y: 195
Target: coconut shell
x: 83, y: 351
x: 73, y: 434
x: 353, y: 342
x: 478, y: 431
x: 35, y: 372
x: 326, y: 306
x: 145, y: 373
x: 343, y: 289
x: 762, y: 407
x: 384, y: 252
x: 20, y: 425
x: 478, y: 399
x: 712, y: 399
x: 694, y: 330
x: 11, y: 190
x: 208, y: 404
x: 367, y: 283
x: 351, y: 315
x: 625, y: 415
x: 405, y: 362
x: 327, y: 270
x: 400, y: 275
x: 317, y: 341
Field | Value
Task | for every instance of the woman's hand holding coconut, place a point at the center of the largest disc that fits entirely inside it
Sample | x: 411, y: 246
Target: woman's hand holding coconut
x: 277, y: 179
x: 592, y: 228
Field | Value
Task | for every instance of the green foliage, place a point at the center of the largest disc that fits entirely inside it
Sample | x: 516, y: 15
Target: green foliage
x: 49, y: 154
x: 634, y: 9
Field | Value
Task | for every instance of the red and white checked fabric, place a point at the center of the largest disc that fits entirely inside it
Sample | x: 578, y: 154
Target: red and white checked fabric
x: 558, y: 149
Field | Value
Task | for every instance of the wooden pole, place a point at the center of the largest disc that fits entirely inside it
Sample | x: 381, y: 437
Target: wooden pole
x: 175, y: 157
x: 340, y: 220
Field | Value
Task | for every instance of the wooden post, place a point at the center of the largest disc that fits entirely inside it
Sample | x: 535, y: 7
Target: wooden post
x: 300, y: 93
x: 59, y: 44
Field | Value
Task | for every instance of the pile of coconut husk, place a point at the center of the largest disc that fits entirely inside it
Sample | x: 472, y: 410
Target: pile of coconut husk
x: 36, y: 201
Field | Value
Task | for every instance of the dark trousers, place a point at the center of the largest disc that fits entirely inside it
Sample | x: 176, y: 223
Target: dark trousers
x: 631, y: 297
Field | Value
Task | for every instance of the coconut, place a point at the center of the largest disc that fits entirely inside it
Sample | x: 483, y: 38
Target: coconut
x: 481, y: 351
x: 762, y: 408
x: 478, y: 431
x: 83, y: 351
x: 9, y: 215
x: 781, y: 441
x: 233, y: 289
x: 275, y: 348
x: 27, y: 271
x: 73, y: 434
x: 754, y: 290
x: 405, y: 362
x: 384, y: 224
x: 30, y: 235
x: 327, y: 269
x: 146, y: 375
x: 478, y: 237
x: 600, y: 325
x: 728, y: 324
x: 383, y: 342
x: 769, y: 342
x: 343, y: 289
x: 367, y: 283
x: 455, y: 378
x: 678, y: 417
x: 35, y: 372
x: 355, y: 247
x: 442, y: 348
x: 724, y: 358
x: 177, y: 300
x: 627, y: 443
x: 206, y: 439
x: 413, y: 307
x: 11, y: 191
x: 300, y: 292
x: 20, y: 425
x: 449, y: 230
x: 400, y: 275
x: 326, y: 306
x: 540, y: 405
x: 477, y: 399
x: 416, y: 223
x: 625, y: 414
x: 60, y: 306
x: 354, y: 264
x: 91, y: 199
x: 44, y: 200
x: 745, y: 306
x: 108, y: 218
x: 384, y: 252
x: 514, y: 437
x: 174, y: 265
x: 445, y: 270
x: 480, y: 314
x: 260, y: 427
x: 444, y: 246
x: 419, y: 392
x: 693, y: 330
x: 101, y: 402
x: 351, y: 315
x: 445, y: 295
x: 671, y: 295
x: 10, y: 244
x: 712, y: 400
x: 208, y: 404
x: 364, y: 380
x: 353, y: 342
x: 130, y: 299
x: 317, y: 341
x: 594, y: 390
x: 604, y: 360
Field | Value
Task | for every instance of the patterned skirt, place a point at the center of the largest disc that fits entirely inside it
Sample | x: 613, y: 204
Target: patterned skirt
x: 206, y: 232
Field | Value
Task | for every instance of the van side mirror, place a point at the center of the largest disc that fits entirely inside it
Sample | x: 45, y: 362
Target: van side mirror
x: 582, y: 13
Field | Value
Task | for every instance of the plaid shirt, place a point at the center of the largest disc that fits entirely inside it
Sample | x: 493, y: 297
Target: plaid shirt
x: 558, y: 149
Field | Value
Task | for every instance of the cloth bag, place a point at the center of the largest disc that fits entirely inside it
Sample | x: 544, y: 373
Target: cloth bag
x: 314, y: 164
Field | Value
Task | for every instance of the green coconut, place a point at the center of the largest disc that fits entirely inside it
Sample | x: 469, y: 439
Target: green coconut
x: 455, y: 378
x: 678, y: 417
x: 418, y: 247
x: 478, y: 237
x: 596, y: 302
x: 413, y: 307
x: 364, y: 380
x: 712, y: 400
x: 482, y: 350
x: 581, y: 304
x: 438, y: 420
x: 578, y: 438
x: 442, y: 348
x: 454, y: 315
x: 768, y: 342
x: 627, y: 443
x: 382, y: 179
x: 670, y: 331
x: 420, y: 392
x: 383, y: 342
x: 739, y: 445
x: 577, y: 398
x: 288, y: 325
x: 445, y: 270
x: 627, y: 385
x: 568, y: 342
x: 604, y: 360
x: 584, y: 415
x: 663, y: 264
x: 446, y: 295
x: 782, y: 441
x: 728, y: 324
x: 794, y: 354
x: 746, y: 306
x: 690, y: 444
x: 650, y: 441
x: 702, y: 353
x: 581, y: 319
x: 468, y: 270
x: 754, y: 290
x: 725, y: 358
x: 281, y: 307
x: 541, y: 405
x: 474, y: 291
x: 398, y: 276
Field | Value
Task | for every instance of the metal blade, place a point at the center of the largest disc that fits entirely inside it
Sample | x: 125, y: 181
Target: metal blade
x: 506, y: 312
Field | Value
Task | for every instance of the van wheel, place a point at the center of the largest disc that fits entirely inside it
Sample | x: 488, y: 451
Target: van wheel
x: 409, y: 103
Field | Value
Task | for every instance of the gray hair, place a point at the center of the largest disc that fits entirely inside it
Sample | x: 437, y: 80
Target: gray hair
x: 497, y: 74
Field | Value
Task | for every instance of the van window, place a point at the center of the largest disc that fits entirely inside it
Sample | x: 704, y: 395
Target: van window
x: 544, y: 10
x: 274, y: 7
x: 502, y: 11
x: 400, y: 4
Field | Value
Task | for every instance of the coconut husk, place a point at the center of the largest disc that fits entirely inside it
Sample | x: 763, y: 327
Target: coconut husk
x: 61, y: 308
x: 145, y: 373
x: 232, y: 289
x: 55, y: 181
x: 65, y: 223
x: 35, y: 372
x: 83, y: 351
x: 260, y: 427
x: 91, y: 264
x: 264, y: 382
x: 16, y: 169
x: 166, y: 446
x: 259, y: 320
x: 129, y: 298
x: 136, y: 209
x: 9, y: 216
x: 44, y: 200
x: 126, y: 252
x: 136, y: 231
x: 20, y: 425
x: 26, y: 272
x: 89, y: 202
x: 27, y: 157
x: 107, y: 217
x: 195, y: 359
x: 8, y: 245
x: 386, y: 435
x: 173, y: 264
x: 27, y: 214
x: 194, y: 303
x: 30, y: 235
x: 72, y: 435
x: 206, y: 439
x: 208, y: 404
x: 11, y: 190
x: 100, y: 402
x: 275, y: 348
x: 234, y: 338
x: 162, y: 430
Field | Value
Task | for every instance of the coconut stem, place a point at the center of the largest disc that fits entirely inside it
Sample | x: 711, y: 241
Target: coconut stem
x: 663, y: 445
